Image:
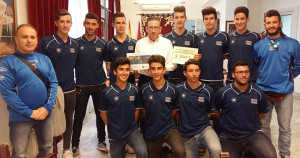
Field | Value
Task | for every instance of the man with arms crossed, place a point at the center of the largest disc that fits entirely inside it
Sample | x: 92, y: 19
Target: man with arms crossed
x: 160, y: 102
x: 119, y: 109
x: 90, y: 80
x: 242, y: 106
x: 195, y: 99
x: 118, y: 46
x: 241, y: 44
x: 62, y: 51
x: 29, y: 101
x: 180, y: 37
x: 278, y: 62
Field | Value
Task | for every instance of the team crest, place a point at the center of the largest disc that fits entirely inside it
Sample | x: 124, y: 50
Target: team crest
x: 2, y: 77
x: 232, y: 41
x: 3, y: 69
x: 219, y: 43
x: 187, y: 43
x: 81, y: 47
x: 249, y: 43
x: 202, y: 41
x: 253, y: 101
x: 130, y: 47
x: 116, y: 98
x: 58, y: 50
x: 183, y: 95
x: 168, y: 100
x: 233, y: 99
x: 98, y: 49
x: 173, y: 41
x: 201, y: 99
x: 150, y: 97
x: 116, y: 48
x: 131, y: 98
x: 72, y: 50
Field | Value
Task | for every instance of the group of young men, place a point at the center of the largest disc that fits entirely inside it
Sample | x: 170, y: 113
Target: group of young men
x: 167, y: 95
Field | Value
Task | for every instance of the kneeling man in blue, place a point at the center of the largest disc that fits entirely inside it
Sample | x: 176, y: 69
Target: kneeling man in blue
x: 241, y: 107
x: 195, y: 99
x: 119, y: 110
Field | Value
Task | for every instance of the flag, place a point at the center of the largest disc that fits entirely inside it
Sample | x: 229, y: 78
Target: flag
x: 129, y: 30
x: 139, y: 33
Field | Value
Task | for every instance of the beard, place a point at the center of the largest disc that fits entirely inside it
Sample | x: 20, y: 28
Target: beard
x: 275, y: 33
x: 240, y: 83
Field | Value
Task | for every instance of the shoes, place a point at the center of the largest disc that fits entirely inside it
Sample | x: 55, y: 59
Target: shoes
x: 102, y: 147
x: 129, y: 150
x: 286, y: 156
x: 202, y: 150
x: 76, y: 153
x: 67, y: 154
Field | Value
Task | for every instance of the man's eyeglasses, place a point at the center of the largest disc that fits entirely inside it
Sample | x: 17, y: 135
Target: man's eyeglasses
x: 242, y: 72
x: 274, y: 44
x: 153, y: 28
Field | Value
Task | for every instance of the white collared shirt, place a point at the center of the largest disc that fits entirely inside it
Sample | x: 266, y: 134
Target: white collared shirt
x: 161, y: 46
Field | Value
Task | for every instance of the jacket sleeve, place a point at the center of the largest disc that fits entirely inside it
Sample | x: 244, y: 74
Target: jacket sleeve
x: 296, y: 70
x: 53, y: 87
x: 8, y: 90
x: 42, y: 47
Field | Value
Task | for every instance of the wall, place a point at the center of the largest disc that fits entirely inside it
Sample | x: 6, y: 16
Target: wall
x: 21, y: 9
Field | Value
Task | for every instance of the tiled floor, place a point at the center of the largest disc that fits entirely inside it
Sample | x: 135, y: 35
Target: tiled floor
x: 88, y: 143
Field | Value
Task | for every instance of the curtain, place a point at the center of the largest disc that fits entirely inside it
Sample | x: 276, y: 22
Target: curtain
x: 95, y: 7
x: 110, y: 14
x: 41, y: 15
x: 165, y: 20
x: 118, y: 6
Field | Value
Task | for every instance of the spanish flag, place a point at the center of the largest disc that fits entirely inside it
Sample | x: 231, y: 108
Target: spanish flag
x: 129, y: 29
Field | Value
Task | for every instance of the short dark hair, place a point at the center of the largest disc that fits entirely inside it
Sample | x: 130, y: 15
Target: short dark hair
x: 157, y: 59
x: 240, y: 63
x: 121, y: 61
x: 23, y: 25
x: 242, y: 9
x: 209, y: 10
x: 61, y: 12
x: 189, y: 62
x: 179, y: 9
x: 117, y: 15
x: 152, y: 18
x: 91, y: 16
x: 274, y: 12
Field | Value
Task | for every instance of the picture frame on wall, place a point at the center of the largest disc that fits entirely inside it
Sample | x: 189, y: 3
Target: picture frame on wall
x: 230, y: 27
x: 7, y: 27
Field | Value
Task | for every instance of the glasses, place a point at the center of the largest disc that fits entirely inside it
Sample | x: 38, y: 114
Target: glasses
x: 274, y: 44
x: 242, y: 72
x: 153, y: 28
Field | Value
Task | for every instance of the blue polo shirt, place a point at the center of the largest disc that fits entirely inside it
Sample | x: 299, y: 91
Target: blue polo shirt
x: 120, y: 106
x: 186, y: 39
x: 89, y: 64
x: 159, y: 105
x: 194, y: 104
x: 115, y: 49
x: 212, y: 47
x: 240, y: 48
x: 63, y: 57
x: 239, y: 116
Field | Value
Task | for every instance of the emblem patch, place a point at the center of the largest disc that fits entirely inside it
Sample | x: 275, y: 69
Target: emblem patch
x: 58, y: 50
x: 131, y: 98
x: 187, y: 43
x: 116, y: 98
x: 81, y: 47
x: 3, y: 69
x: 202, y: 41
x: 183, y: 95
x: 130, y: 47
x: 232, y: 41
x: 168, y: 100
x: 72, y: 50
x: 2, y: 77
x: 116, y: 48
x: 253, y: 101
x: 249, y: 43
x: 98, y: 49
x: 233, y: 99
x: 219, y: 43
x: 150, y: 97
x: 173, y: 41
x: 201, y: 99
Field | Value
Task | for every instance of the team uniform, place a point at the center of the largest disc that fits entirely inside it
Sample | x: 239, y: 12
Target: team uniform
x: 212, y: 47
x: 90, y: 81
x: 240, y: 48
x: 63, y: 57
x: 120, y: 106
x: 115, y: 49
x: 239, y: 122
x: 277, y: 69
x: 159, y: 125
x: 186, y: 39
x: 23, y: 91
x: 194, y: 124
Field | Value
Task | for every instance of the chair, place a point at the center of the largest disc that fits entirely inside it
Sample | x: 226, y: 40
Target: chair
x: 4, y: 151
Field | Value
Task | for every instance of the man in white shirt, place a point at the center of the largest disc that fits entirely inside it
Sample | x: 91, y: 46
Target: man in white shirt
x: 154, y: 44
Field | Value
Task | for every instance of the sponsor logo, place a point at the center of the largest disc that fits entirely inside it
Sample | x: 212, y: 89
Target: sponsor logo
x: 130, y: 47
x: 150, y: 97
x: 218, y: 43
x: 201, y: 99
x: 58, y: 50
x: 253, y: 101
x: 72, y: 50
x: 3, y: 69
x: 249, y: 43
x: 116, y: 48
x: 2, y: 77
x: 168, y: 100
x: 233, y: 99
x: 183, y: 95
x: 187, y: 43
x: 131, y: 98
x: 81, y: 47
x: 116, y: 98
x: 98, y: 49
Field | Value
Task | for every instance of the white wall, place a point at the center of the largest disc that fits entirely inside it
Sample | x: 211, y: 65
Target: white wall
x: 21, y: 8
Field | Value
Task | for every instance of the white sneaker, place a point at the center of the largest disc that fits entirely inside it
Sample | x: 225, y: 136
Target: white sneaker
x: 67, y: 154
x: 102, y: 147
x: 76, y: 153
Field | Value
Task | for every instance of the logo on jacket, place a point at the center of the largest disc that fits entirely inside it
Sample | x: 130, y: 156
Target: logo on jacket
x: 219, y: 43
x: 187, y: 43
x: 3, y: 69
x: 201, y: 99
x: 98, y: 49
x: 183, y: 95
x: 233, y: 99
x: 81, y: 47
x: 116, y: 98
x: 173, y: 41
x: 232, y: 41
x: 202, y: 41
x: 249, y: 43
x: 72, y: 50
x: 150, y: 97
x: 130, y: 47
x: 168, y: 100
x: 131, y: 98
x: 58, y: 50
x: 115, y: 48
x: 253, y: 101
x: 2, y: 77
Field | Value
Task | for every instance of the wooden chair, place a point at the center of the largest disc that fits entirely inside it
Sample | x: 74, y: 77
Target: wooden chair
x: 4, y: 151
